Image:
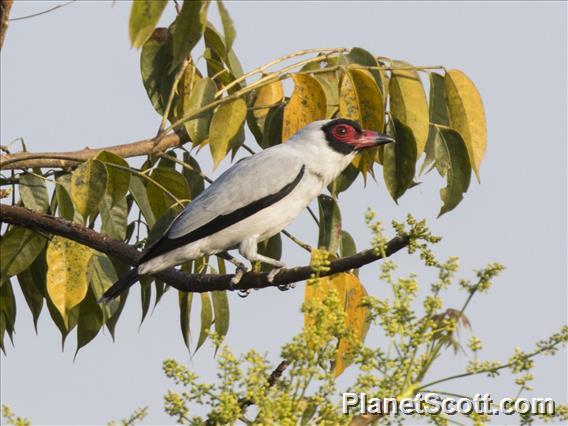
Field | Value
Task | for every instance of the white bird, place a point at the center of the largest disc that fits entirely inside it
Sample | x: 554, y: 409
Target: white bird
x: 255, y: 199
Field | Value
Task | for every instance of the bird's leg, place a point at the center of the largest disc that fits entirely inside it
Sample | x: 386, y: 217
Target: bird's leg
x: 239, y: 271
x: 248, y: 249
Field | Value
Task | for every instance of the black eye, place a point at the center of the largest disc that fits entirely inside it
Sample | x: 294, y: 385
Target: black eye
x: 341, y: 131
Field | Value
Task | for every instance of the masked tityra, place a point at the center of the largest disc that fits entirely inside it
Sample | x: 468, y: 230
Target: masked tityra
x: 256, y: 198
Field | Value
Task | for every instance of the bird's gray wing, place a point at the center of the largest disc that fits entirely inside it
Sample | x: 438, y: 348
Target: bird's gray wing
x: 248, y: 186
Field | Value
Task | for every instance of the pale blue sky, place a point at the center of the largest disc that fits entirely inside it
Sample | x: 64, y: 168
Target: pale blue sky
x: 69, y: 80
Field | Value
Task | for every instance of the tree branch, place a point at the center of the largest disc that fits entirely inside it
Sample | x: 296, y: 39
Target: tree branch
x: 5, y: 6
x: 23, y: 160
x: 194, y: 283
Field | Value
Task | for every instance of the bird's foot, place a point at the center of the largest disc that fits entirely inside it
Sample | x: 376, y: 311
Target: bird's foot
x: 272, y: 274
x: 239, y: 272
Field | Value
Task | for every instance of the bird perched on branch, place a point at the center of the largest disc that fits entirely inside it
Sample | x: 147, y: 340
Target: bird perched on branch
x: 255, y: 199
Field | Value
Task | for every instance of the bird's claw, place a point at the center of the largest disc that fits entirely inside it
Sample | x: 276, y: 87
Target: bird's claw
x: 286, y: 287
x: 243, y: 292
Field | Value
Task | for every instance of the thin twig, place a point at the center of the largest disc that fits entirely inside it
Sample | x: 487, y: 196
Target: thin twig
x: 19, y: 18
x: 314, y: 217
x: 305, y: 246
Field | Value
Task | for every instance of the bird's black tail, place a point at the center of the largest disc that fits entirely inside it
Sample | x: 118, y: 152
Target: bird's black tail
x: 121, y: 285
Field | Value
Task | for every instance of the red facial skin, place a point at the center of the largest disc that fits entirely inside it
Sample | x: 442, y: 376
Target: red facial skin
x: 349, y: 135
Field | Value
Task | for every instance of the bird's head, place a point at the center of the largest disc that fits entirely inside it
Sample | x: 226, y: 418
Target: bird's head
x: 328, y: 146
x: 340, y: 135
x: 347, y: 136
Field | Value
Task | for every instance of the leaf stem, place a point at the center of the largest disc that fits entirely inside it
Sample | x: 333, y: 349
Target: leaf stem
x: 264, y: 67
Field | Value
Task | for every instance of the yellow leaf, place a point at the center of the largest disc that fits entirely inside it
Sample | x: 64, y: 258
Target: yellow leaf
x: 467, y: 115
x: 408, y: 104
x: 88, y: 185
x: 268, y: 96
x: 226, y: 124
x: 67, y: 274
x: 351, y: 293
x: 306, y: 104
x: 360, y: 99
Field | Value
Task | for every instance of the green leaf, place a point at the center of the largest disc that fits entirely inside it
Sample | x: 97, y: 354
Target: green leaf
x: 67, y: 274
x: 467, y: 115
x: 118, y: 179
x: 189, y: 27
x: 227, y: 122
x: 216, y: 43
x: 145, y: 296
x: 271, y: 248
x: 347, y: 246
x: 19, y: 247
x: 114, y: 218
x: 307, y: 104
x: 329, y: 224
x: 206, y: 319
x: 438, y: 114
x: 155, y: 63
x: 161, y: 289
x: 203, y: 93
x: 221, y: 311
x: 88, y: 184
x: 144, y: 16
x: 111, y: 322
x: 408, y: 104
x: 7, y: 310
x: 90, y: 320
x: 399, y: 159
x: 32, y: 284
x: 184, y: 89
x: 185, y: 300
x: 361, y: 56
x: 217, y: 55
x: 437, y: 102
x: 452, y: 151
x: 102, y: 275
x: 64, y: 203
x: 138, y: 191
x: 194, y: 178
x: 169, y: 188
x: 228, y: 26
x: 273, y: 124
x: 33, y: 193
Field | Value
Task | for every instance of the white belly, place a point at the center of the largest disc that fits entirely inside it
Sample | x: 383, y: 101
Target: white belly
x: 260, y: 226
